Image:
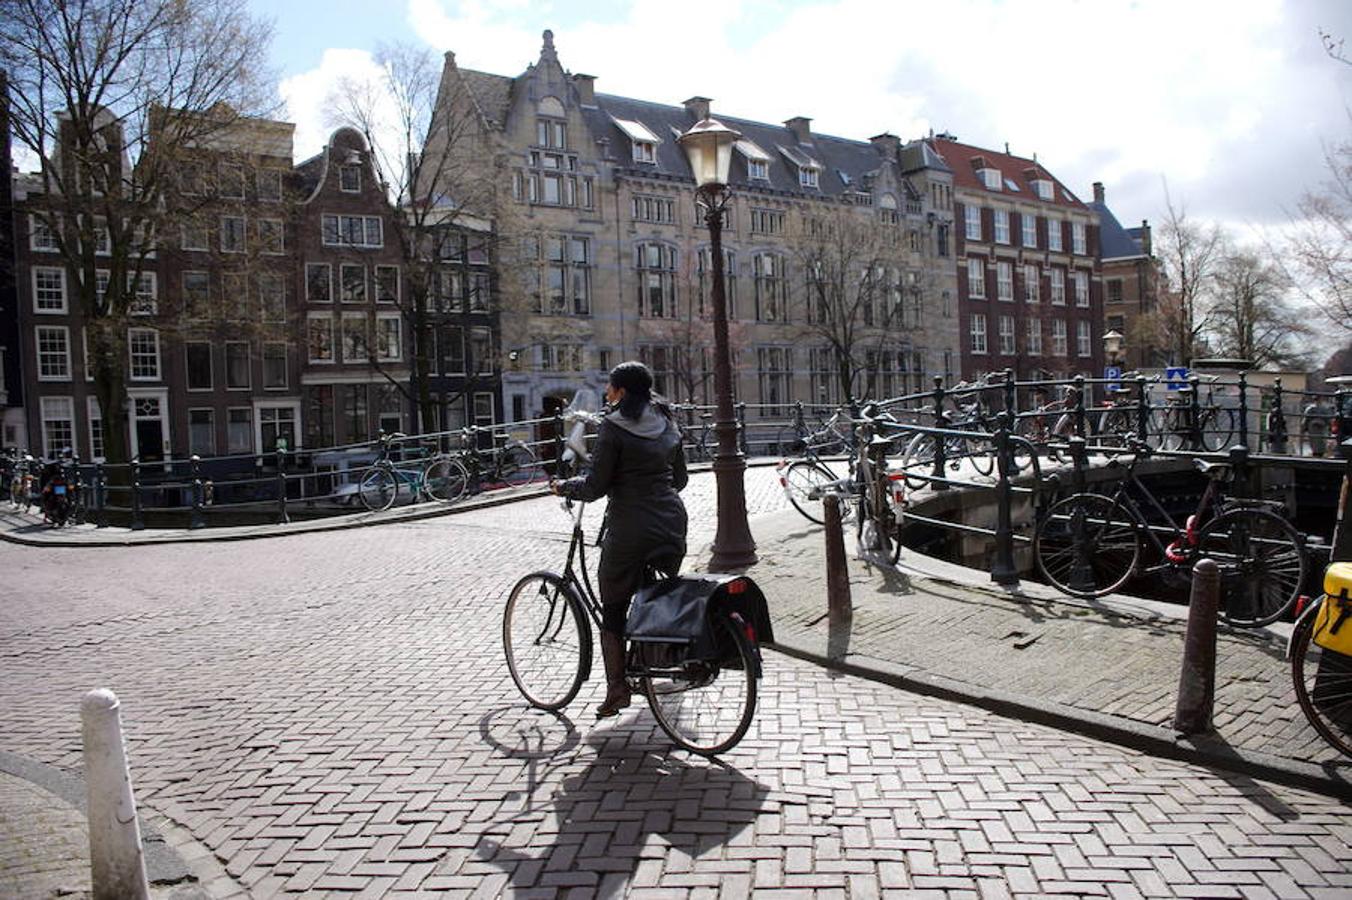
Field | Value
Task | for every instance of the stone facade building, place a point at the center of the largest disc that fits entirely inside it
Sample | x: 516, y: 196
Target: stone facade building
x: 1131, y: 284
x: 616, y: 259
x: 1029, y: 276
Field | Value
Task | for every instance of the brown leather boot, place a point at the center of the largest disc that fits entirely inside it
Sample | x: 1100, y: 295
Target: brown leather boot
x: 617, y: 689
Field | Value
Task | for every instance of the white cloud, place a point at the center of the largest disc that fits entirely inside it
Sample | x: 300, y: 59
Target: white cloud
x: 1229, y: 100
x: 308, y: 96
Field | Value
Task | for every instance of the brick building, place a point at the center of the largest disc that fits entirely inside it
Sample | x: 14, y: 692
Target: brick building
x: 1131, y: 284
x: 1028, y: 270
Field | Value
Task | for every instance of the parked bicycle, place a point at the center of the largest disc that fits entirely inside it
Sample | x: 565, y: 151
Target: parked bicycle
x: 508, y: 464
x: 1320, y: 651
x: 970, y: 415
x: 1089, y: 544
x: 699, y: 440
x: 439, y: 478
x: 826, y: 436
x: 702, y: 693
x: 1179, y: 424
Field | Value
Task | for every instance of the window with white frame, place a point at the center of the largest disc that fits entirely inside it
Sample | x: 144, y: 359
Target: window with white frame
x: 656, y: 265
x: 1058, y: 277
x: 1077, y: 238
x: 1032, y: 284
x: 808, y: 176
x: 144, y: 294
x: 349, y: 179
x: 1029, y: 222
x: 481, y: 349
x: 232, y: 182
x: 318, y: 282
x: 1082, y: 341
x: 1002, y: 226
x: 767, y: 221
x: 95, y: 429
x: 320, y: 337
x: 387, y: 284
x: 1007, y: 335
x: 1054, y: 234
x: 58, y: 425
x: 352, y: 231
x: 53, y: 342
x: 193, y: 235
x: 652, y: 209
x: 991, y: 179
x: 1043, y: 187
x: 238, y: 368
x: 1034, y: 335
x: 978, y: 332
x: 1058, y: 337
x: 352, y: 283
x: 356, y: 341
x: 570, y: 357
x: 972, y: 220
x: 1113, y: 290
x: 976, y: 278
x: 232, y: 234
x: 202, y: 431
x: 758, y: 169
x: 49, y: 289
x: 1004, y: 282
x: 271, y: 237
x: 41, y: 237
x: 645, y: 152
x: 269, y: 184
x: 196, y: 294
x: 143, y: 347
x: 772, y: 287
x: 197, y: 357
x: 564, y: 276
x: 388, y: 345
x: 274, y: 365
x: 1081, y: 279
x: 239, y: 436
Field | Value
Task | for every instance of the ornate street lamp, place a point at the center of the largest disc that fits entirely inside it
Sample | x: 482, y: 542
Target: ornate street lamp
x: 708, y: 145
x: 1112, y: 345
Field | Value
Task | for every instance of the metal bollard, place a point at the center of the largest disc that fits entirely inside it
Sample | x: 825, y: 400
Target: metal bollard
x: 1194, y: 414
x: 1003, y: 570
x: 1244, y: 410
x: 195, y: 519
x: 837, y: 574
x: 116, y: 860
x: 1197, y: 681
x: 137, y: 522
x: 1277, y: 420
x: 940, y: 452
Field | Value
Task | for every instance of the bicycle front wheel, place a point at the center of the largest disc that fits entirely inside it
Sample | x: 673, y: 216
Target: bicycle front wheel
x: 445, y: 480
x: 519, y: 465
x: 546, y: 639
x: 1087, y: 545
x: 876, y: 528
x: 1262, y: 564
x: 706, y: 707
x: 1218, y: 428
x: 789, y: 441
x: 918, y: 461
x: 377, y: 488
x: 800, y: 478
x: 1323, y: 682
x: 982, y: 454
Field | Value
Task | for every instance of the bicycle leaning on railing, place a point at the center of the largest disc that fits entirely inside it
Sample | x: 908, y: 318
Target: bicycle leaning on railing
x: 703, y: 694
x: 1089, y: 544
x: 438, y: 478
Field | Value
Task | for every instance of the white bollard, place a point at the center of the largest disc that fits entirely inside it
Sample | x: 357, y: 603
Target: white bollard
x: 117, y: 863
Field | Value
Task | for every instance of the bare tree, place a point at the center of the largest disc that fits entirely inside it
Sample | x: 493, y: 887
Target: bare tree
x: 110, y: 97
x: 1333, y: 46
x: 1318, y: 249
x: 858, y: 289
x: 1189, y: 253
x: 444, y: 178
x: 1251, y: 316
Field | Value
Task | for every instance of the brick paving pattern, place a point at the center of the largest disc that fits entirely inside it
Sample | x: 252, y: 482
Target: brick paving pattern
x: 330, y: 715
x: 40, y: 862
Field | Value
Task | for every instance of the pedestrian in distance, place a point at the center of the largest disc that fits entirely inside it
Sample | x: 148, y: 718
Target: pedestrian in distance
x: 639, y: 465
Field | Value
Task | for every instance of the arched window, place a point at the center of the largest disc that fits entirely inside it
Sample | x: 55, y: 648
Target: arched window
x: 772, y: 288
x: 551, y: 128
x: 706, y: 274
x: 656, y: 264
x: 887, y: 209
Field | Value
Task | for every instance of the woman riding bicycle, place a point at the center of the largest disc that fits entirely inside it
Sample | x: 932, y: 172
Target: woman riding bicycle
x: 638, y: 463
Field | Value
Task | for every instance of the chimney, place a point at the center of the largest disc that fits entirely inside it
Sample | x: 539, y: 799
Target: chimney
x: 698, y: 107
x: 586, y: 90
x: 1098, y: 192
x: 450, y: 59
x: 887, y: 145
x: 1145, y: 238
x: 801, y: 127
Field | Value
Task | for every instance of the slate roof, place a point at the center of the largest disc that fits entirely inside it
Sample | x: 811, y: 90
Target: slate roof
x: 493, y: 93
x: 1021, y: 171
x: 1115, y: 242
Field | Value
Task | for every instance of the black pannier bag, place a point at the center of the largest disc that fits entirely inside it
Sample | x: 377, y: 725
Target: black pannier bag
x: 671, y: 620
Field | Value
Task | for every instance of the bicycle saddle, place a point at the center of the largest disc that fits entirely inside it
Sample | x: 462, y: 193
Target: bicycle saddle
x: 662, y: 562
x: 1212, y: 469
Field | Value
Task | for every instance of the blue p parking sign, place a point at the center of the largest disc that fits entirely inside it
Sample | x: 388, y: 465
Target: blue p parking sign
x: 1112, y: 373
x: 1176, y: 377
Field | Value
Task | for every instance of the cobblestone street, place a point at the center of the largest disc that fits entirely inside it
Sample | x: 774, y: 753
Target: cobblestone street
x: 330, y: 714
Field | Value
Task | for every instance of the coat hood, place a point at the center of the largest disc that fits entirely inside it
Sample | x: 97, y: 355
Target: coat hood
x: 650, y: 424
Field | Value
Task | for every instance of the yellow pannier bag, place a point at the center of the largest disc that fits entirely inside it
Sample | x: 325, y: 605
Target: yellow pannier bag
x: 1333, y: 622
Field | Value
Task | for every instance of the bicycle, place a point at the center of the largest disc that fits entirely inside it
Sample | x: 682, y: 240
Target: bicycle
x: 1320, y: 652
x: 699, y: 440
x: 1178, y: 425
x: 440, y: 478
x: 510, y: 464
x: 1089, y: 544
x: 832, y: 436
x: 704, y: 699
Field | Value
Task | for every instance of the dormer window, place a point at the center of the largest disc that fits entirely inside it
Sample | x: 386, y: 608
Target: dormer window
x: 641, y: 138
x: 991, y: 178
x: 808, y: 176
x: 758, y: 169
x: 757, y: 160
x: 1043, y: 188
x: 645, y: 152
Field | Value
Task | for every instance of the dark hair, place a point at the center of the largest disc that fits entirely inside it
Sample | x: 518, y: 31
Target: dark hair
x: 637, y: 382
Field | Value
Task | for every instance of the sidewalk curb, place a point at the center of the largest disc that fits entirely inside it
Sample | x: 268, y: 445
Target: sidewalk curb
x: 1150, y: 739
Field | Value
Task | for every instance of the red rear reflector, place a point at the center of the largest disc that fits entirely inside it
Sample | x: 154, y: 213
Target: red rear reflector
x: 737, y: 587
x: 895, y: 476
x: 1300, y: 604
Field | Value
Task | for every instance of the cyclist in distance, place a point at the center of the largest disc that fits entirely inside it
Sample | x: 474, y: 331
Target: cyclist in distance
x: 639, y: 464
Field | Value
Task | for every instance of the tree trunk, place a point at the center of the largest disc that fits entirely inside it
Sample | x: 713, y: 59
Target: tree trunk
x: 110, y: 386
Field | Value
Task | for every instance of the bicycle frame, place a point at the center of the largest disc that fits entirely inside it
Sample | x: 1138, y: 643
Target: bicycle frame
x: 1186, y: 535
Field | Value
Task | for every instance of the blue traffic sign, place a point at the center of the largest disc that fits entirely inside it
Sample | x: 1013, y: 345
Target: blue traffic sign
x: 1112, y: 373
x: 1176, y: 377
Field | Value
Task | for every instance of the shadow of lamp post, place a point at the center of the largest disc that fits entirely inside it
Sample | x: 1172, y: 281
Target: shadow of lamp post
x: 708, y: 145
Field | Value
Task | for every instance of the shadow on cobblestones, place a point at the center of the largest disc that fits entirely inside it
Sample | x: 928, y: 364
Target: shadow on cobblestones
x: 628, y: 812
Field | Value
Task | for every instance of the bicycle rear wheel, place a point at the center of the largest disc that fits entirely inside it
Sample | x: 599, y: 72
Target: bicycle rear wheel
x: 800, y: 478
x: 789, y: 441
x: 1167, y: 428
x: 546, y: 639
x: 519, y: 465
x: 445, y: 480
x: 377, y: 487
x: 919, y: 459
x: 1218, y: 426
x: 1323, y: 682
x: 706, y: 707
x: 1262, y: 564
x: 1087, y: 545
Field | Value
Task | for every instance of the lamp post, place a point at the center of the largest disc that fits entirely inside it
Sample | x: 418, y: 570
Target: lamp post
x: 1112, y: 345
x: 708, y: 145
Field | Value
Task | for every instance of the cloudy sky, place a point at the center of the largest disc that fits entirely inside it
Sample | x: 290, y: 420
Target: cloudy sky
x: 1231, y: 101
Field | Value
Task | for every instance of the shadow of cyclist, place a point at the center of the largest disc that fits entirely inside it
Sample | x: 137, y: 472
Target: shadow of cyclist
x: 613, y: 800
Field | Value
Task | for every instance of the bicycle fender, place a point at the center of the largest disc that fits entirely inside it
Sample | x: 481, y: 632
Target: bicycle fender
x: 1295, y: 626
